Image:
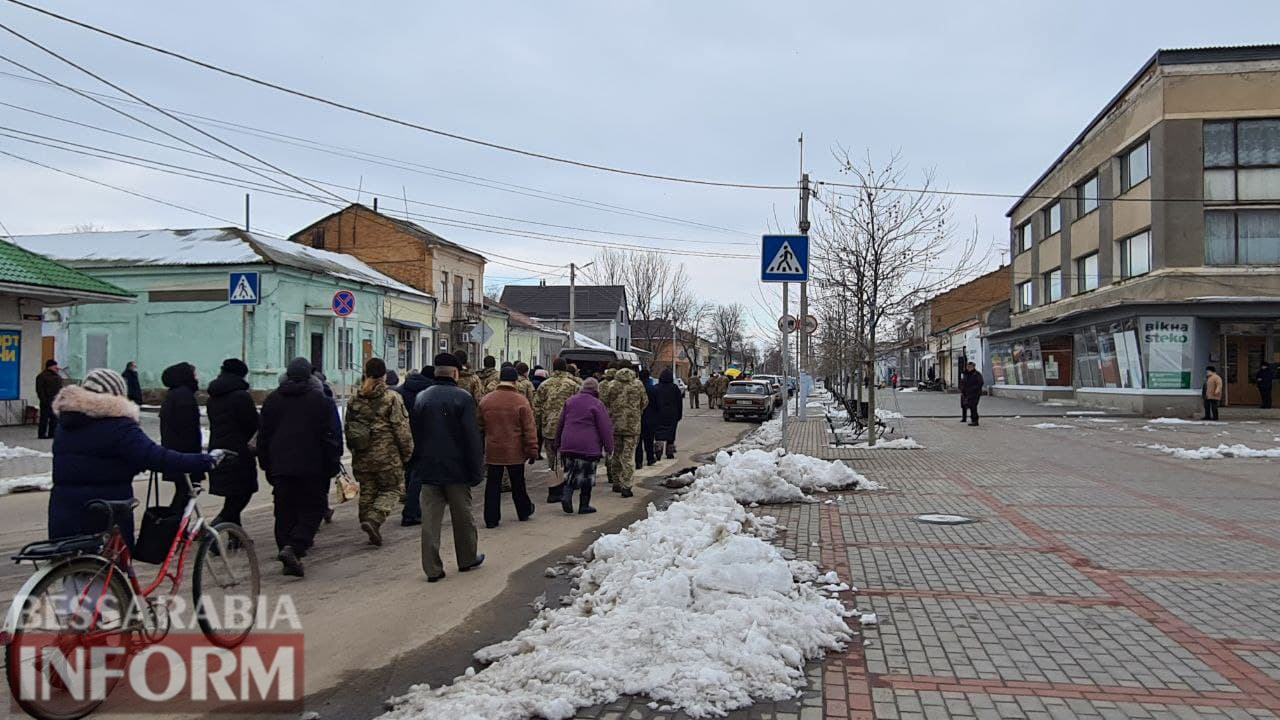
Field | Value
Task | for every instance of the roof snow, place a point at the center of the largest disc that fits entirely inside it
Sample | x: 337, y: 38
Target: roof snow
x: 204, y: 246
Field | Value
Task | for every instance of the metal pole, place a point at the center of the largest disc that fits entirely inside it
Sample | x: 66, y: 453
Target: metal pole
x: 802, y: 355
x: 246, y: 212
x: 785, y: 372
x: 572, y: 299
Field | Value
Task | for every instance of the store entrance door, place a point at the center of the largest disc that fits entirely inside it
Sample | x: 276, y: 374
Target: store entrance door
x: 1243, y: 357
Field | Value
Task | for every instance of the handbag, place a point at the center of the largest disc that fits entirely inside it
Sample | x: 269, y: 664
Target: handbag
x: 348, y: 489
x: 159, y: 527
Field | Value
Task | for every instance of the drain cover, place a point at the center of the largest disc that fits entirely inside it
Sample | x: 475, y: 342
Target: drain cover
x: 934, y: 519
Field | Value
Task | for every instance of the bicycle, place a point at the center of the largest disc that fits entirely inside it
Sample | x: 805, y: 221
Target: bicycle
x: 87, y: 594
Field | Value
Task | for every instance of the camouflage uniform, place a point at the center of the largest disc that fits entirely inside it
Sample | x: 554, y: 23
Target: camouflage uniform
x: 695, y: 389
x: 548, y: 403
x: 381, y: 443
x: 625, y: 401
x: 716, y: 388
x: 526, y: 389
x: 467, y: 380
x: 608, y: 380
x: 488, y: 380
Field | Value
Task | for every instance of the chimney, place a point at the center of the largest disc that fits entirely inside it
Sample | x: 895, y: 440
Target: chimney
x: 375, y: 204
x: 542, y: 283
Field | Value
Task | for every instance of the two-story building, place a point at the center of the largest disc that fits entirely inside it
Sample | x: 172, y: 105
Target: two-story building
x: 1150, y: 248
x: 600, y: 311
x: 418, y: 258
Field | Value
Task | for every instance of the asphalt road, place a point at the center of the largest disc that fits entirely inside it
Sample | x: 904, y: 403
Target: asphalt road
x: 373, y: 625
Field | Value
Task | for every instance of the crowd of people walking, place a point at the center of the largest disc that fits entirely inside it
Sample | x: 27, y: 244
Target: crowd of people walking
x: 419, y: 447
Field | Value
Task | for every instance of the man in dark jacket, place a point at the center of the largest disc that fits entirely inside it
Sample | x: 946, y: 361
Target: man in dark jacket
x: 233, y: 421
x: 1266, y: 376
x: 448, y: 461
x: 971, y: 391
x: 299, y: 450
x: 180, y: 423
x: 130, y: 376
x: 48, y: 383
x: 670, y: 412
x: 337, y: 429
x: 648, y: 424
x: 414, y: 384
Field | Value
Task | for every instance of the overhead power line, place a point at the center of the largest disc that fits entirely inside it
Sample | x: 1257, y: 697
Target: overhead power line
x: 398, y: 164
x: 395, y: 120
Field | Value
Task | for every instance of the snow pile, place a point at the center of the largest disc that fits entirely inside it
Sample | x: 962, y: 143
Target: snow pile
x: 1086, y: 412
x: 1216, y: 453
x: 1052, y: 426
x: 26, y: 483
x: 1174, y: 421
x: 895, y: 444
x: 1097, y: 420
x: 908, y: 389
x: 756, y: 476
x: 18, y: 451
x: 689, y: 606
x: 768, y: 435
x: 888, y: 414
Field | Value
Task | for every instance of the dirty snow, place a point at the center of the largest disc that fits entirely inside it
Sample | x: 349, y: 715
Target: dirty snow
x: 768, y: 435
x: 756, y: 476
x: 1097, y: 420
x: 1215, y: 453
x: 1052, y: 426
x: 1174, y: 421
x: 18, y: 451
x: 1086, y: 412
x: 26, y: 483
x: 690, y: 606
x: 895, y: 444
x: 888, y: 414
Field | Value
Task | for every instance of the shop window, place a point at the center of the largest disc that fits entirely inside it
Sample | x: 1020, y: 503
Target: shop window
x: 1087, y: 273
x: 1053, y: 285
x: 1017, y: 363
x: 427, y: 354
x: 1135, y: 255
x: 1108, y: 356
x: 1087, y: 196
x: 1242, y: 237
x: 1135, y: 166
x: 1166, y: 346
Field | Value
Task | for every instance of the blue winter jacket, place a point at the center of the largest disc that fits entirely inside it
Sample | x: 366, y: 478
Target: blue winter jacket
x: 98, y: 449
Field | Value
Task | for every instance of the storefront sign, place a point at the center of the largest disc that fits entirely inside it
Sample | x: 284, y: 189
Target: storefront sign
x: 1050, y: 368
x: 10, y: 359
x: 1168, y: 344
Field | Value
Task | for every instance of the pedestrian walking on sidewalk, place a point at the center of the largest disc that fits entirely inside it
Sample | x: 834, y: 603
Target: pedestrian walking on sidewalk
x: 180, y: 424
x: 971, y: 391
x: 626, y: 401
x: 448, y: 462
x: 510, y: 439
x: 233, y: 421
x: 648, y: 423
x: 414, y: 384
x: 548, y: 403
x: 299, y: 449
x: 130, y: 376
x: 1264, y: 379
x: 695, y: 389
x: 467, y: 379
x: 48, y: 384
x: 583, y: 436
x: 1212, y: 392
x: 381, y: 444
x: 670, y: 412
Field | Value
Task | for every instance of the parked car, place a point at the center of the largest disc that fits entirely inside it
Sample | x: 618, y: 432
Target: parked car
x: 750, y: 399
x: 775, y: 382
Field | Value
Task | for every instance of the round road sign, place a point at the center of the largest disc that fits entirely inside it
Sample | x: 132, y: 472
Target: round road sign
x: 344, y: 303
x: 810, y: 324
x: 787, y: 323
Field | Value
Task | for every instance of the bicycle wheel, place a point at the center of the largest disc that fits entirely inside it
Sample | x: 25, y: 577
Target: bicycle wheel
x: 226, y: 585
x: 58, y: 613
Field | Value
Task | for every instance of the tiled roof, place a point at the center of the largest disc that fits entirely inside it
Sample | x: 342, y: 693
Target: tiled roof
x: 23, y: 267
x: 551, y: 302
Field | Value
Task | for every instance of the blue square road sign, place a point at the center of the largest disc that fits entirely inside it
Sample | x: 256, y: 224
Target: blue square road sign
x: 784, y: 258
x: 242, y: 288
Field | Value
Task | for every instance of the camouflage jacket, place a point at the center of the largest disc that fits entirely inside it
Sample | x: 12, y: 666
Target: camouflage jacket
x: 377, y: 429
x: 609, y: 376
x: 717, y: 386
x: 467, y: 380
x: 625, y: 400
x: 526, y: 389
x: 549, y: 400
x: 695, y: 384
x: 488, y: 379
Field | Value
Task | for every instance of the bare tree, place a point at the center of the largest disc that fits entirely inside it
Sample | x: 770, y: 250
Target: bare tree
x: 882, y: 250
x: 657, y: 289
x: 727, y: 325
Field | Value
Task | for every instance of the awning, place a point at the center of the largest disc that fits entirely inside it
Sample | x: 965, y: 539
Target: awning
x: 408, y: 324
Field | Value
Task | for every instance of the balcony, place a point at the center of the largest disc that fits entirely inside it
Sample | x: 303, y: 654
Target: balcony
x: 467, y: 312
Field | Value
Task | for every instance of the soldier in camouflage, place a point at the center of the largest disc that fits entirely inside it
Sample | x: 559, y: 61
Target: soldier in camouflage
x: 523, y: 384
x: 467, y: 379
x: 381, y: 443
x: 609, y: 375
x: 488, y: 377
x: 695, y: 389
x: 548, y: 403
x: 716, y: 388
x: 625, y: 401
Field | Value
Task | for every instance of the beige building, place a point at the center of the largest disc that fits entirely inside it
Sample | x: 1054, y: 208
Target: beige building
x: 421, y: 259
x: 1151, y: 247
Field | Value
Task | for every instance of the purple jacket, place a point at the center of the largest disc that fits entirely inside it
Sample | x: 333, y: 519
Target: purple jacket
x: 584, y: 430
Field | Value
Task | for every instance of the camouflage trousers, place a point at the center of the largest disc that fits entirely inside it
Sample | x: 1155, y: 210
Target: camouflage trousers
x: 622, y: 462
x: 380, y: 494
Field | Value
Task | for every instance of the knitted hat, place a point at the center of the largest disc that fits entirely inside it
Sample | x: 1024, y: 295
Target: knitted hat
x: 508, y: 374
x: 299, y: 369
x: 540, y: 373
x: 105, y: 382
x: 591, y: 386
x: 235, y: 366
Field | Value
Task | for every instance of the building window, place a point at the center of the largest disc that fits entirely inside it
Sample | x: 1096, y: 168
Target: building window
x: 1024, y: 237
x: 1242, y: 161
x: 1053, y: 219
x: 1087, y: 273
x: 1087, y: 196
x: 1135, y: 166
x: 1135, y: 255
x: 1025, y: 295
x: 290, y: 342
x: 1053, y: 285
x: 471, y: 290
x: 317, y: 239
x: 346, y: 353
x: 95, y: 351
x: 427, y: 354
x: 444, y: 287
x: 1242, y: 237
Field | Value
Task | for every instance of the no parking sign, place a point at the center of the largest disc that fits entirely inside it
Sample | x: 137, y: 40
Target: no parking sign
x: 344, y: 303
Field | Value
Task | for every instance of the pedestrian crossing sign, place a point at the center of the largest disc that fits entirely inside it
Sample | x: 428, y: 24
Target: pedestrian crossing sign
x: 784, y: 258
x: 242, y: 288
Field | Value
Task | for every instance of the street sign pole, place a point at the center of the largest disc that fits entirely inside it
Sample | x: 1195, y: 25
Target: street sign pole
x: 785, y: 374
x: 802, y: 357
x: 785, y: 259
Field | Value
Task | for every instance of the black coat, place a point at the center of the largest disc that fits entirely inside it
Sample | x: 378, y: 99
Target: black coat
x: 135, y: 387
x: 233, y: 420
x: 413, y: 384
x: 649, y: 418
x: 447, y: 449
x: 670, y: 410
x: 971, y: 387
x: 180, y: 413
x: 48, y: 383
x: 1266, y: 376
x: 297, y: 438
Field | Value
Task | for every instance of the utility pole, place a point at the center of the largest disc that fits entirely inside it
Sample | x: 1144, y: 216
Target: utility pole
x: 246, y: 217
x: 802, y: 357
x: 572, y: 300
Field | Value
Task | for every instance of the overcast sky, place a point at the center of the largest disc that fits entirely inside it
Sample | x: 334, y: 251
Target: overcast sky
x: 986, y: 94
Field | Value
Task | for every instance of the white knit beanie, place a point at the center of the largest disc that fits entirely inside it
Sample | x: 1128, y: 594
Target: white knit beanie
x: 105, y: 382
